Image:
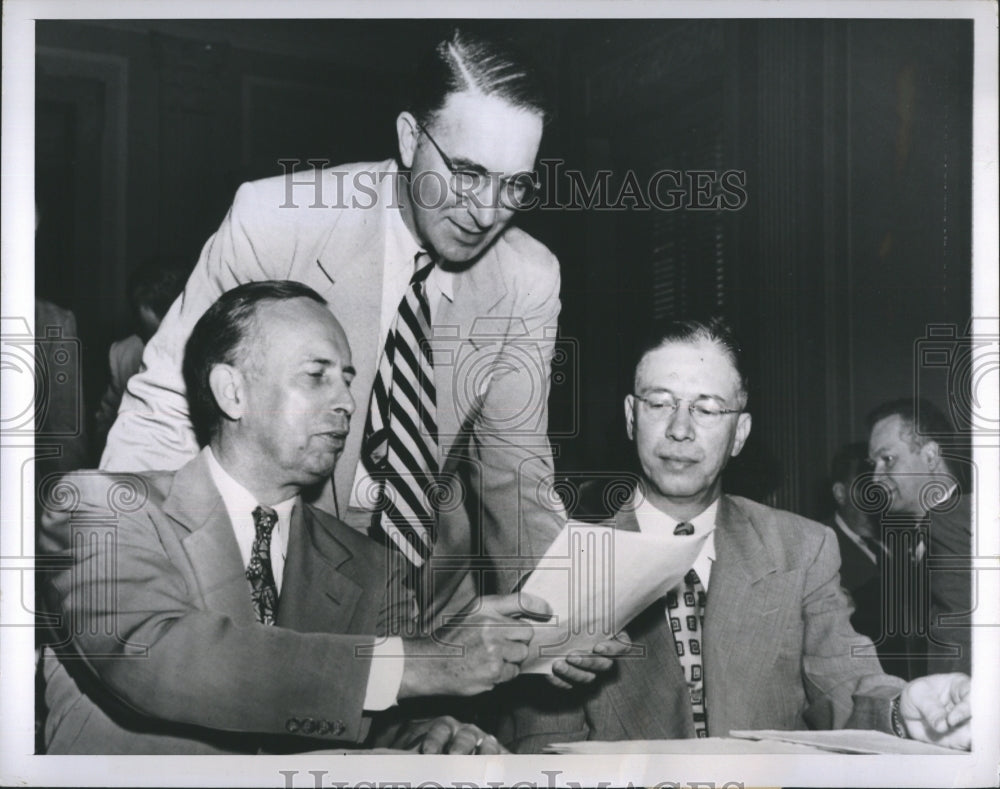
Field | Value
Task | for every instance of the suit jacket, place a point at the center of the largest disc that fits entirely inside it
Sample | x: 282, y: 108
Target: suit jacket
x: 862, y: 580
x: 777, y: 649
x: 949, y: 558
x: 856, y: 567
x: 161, y: 651
x: 492, y: 347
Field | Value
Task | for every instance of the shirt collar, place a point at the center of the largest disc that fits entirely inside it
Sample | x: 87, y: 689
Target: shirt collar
x: 948, y: 494
x: 852, y: 535
x: 652, y: 519
x: 401, y: 248
x: 238, y: 500
x: 400, y: 245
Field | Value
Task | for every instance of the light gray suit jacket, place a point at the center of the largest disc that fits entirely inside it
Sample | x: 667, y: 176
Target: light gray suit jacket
x: 777, y: 649
x: 493, y: 347
x: 161, y: 650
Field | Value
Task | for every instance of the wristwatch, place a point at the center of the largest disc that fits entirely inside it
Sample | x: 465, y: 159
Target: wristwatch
x: 897, y: 720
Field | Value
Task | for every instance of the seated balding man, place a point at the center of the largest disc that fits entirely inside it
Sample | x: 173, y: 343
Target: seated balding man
x: 210, y: 610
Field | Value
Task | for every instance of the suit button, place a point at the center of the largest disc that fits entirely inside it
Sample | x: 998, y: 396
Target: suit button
x: 293, y: 725
x: 323, y: 728
x: 337, y: 727
x: 308, y: 726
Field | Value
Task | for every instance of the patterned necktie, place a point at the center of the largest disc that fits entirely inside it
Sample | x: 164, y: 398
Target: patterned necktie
x: 264, y: 591
x: 687, y: 618
x: 401, y: 439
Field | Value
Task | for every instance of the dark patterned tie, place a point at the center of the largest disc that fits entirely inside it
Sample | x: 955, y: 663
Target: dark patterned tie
x: 686, y: 610
x: 401, y: 439
x: 687, y: 616
x: 264, y: 591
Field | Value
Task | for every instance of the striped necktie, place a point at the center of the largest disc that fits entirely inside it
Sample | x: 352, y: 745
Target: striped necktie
x: 400, y: 445
x: 263, y: 589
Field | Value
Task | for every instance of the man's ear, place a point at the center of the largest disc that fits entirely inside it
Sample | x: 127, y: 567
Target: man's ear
x: 931, y: 453
x: 743, y: 422
x: 229, y: 390
x: 406, y: 133
x: 630, y: 417
x: 839, y: 492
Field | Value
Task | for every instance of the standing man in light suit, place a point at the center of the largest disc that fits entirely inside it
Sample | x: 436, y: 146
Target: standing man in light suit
x: 758, y: 635
x: 420, y: 262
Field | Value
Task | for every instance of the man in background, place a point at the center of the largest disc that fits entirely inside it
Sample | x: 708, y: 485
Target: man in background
x: 927, y: 525
x: 152, y: 288
x: 861, y: 551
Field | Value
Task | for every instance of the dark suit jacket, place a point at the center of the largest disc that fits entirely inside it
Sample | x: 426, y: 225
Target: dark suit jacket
x: 162, y: 652
x: 862, y: 580
x: 777, y: 649
x: 856, y: 567
x: 949, y: 560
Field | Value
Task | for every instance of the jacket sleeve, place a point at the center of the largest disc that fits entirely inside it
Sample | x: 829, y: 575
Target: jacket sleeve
x: 513, y: 468
x: 134, y: 621
x: 844, y: 682
x: 153, y: 429
x: 951, y: 605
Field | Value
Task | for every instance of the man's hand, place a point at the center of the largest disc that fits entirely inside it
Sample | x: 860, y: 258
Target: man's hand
x: 936, y: 709
x: 481, y: 648
x: 582, y: 668
x: 446, y: 735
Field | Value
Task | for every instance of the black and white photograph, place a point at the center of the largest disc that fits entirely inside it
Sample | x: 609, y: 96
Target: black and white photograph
x: 448, y: 394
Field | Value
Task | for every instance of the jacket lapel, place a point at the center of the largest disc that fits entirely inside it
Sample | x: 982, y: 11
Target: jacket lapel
x: 316, y: 595
x: 209, y: 543
x: 347, y: 271
x: 464, y: 328
x: 747, y: 610
x: 649, y: 696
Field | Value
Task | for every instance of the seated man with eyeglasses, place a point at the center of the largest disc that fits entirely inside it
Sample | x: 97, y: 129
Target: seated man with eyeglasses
x: 451, y: 312
x: 758, y: 634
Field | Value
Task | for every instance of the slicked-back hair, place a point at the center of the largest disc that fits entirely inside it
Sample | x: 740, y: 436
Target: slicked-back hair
x: 220, y: 337
x: 921, y: 419
x: 469, y: 62
x: 714, y: 329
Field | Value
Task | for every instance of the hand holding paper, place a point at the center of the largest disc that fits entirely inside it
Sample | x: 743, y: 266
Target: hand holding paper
x: 597, y: 579
x: 582, y: 668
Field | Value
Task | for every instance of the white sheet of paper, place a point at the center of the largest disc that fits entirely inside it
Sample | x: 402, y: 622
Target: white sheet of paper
x: 862, y: 741
x: 690, y: 747
x: 597, y: 579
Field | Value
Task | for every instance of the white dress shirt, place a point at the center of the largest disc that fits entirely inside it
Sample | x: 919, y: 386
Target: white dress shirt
x: 386, y: 673
x: 398, y: 266
x: 854, y: 537
x: 654, y: 521
x: 240, y: 504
